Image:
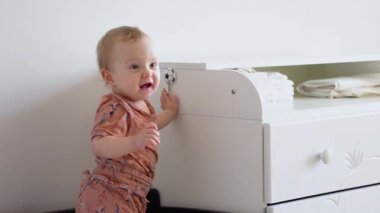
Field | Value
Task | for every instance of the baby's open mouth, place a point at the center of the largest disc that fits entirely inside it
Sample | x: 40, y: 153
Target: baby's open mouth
x: 146, y: 85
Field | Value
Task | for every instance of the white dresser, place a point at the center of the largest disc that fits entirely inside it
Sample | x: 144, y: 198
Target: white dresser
x: 230, y: 151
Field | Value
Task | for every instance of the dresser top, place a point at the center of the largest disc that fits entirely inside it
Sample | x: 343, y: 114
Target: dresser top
x: 307, y: 108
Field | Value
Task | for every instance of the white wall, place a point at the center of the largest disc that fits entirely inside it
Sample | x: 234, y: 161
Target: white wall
x: 49, y: 86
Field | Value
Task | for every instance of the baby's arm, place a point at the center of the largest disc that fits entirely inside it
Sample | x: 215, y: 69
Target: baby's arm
x: 169, y: 105
x: 116, y: 147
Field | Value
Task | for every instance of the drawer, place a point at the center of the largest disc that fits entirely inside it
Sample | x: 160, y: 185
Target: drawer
x: 352, y: 201
x: 314, y: 157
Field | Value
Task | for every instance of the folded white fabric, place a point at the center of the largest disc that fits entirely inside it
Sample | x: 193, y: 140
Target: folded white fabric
x: 245, y: 69
x: 276, y: 75
x: 272, y: 86
x: 346, y: 86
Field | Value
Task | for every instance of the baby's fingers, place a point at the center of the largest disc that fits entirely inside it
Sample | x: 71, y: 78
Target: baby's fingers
x: 153, y: 141
x: 164, y: 91
x: 151, y: 125
x: 154, y: 138
x: 175, y: 99
x: 153, y: 132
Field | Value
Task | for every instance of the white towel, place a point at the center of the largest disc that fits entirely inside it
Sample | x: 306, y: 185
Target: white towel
x: 276, y: 91
x: 278, y: 83
x: 245, y: 69
x: 276, y: 75
x: 272, y: 86
x: 347, y: 86
x: 275, y: 95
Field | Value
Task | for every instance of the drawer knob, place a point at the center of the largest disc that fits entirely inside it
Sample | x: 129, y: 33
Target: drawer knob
x: 327, y: 156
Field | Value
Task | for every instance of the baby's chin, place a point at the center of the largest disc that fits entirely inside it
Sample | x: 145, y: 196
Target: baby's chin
x: 149, y: 93
x: 146, y: 94
x: 124, y: 94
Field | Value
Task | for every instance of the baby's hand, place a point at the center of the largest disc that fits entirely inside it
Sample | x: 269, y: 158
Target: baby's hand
x: 169, y: 101
x: 147, y: 135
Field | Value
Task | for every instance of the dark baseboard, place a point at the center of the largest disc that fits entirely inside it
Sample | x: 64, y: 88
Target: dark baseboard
x: 154, y: 206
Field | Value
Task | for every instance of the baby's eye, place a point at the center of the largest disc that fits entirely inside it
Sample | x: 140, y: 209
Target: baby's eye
x: 134, y: 66
x: 153, y: 65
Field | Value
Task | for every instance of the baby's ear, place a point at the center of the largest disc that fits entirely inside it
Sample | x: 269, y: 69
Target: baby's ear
x: 107, y: 77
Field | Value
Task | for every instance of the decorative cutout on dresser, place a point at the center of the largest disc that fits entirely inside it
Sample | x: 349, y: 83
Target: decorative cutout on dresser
x: 355, y: 159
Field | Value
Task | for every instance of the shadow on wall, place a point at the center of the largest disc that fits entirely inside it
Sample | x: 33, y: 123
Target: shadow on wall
x: 46, y: 147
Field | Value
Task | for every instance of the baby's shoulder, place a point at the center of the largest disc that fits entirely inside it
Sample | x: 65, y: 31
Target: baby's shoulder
x: 111, y: 104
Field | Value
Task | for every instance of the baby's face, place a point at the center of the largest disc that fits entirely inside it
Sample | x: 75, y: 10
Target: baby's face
x: 134, y: 69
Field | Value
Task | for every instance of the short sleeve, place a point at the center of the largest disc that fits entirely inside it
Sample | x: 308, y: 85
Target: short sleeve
x: 111, y: 119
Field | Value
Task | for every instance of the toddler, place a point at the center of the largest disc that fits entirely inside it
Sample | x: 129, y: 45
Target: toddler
x: 125, y: 135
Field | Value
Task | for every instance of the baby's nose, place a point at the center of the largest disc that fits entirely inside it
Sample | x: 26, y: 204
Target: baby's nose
x: 147, y: 72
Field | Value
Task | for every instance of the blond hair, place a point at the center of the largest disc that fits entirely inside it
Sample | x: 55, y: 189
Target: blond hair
x: 107, y: 42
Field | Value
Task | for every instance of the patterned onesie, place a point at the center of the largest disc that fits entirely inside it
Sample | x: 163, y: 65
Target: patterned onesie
x: 119, y: 185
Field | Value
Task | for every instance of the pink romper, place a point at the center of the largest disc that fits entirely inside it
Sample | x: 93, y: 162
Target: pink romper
x: 119, y: 185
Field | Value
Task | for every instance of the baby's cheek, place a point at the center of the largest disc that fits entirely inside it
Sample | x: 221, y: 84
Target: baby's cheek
x: 158, y: 73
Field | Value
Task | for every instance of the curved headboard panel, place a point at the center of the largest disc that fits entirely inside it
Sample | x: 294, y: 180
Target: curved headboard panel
x: 227, y: 94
